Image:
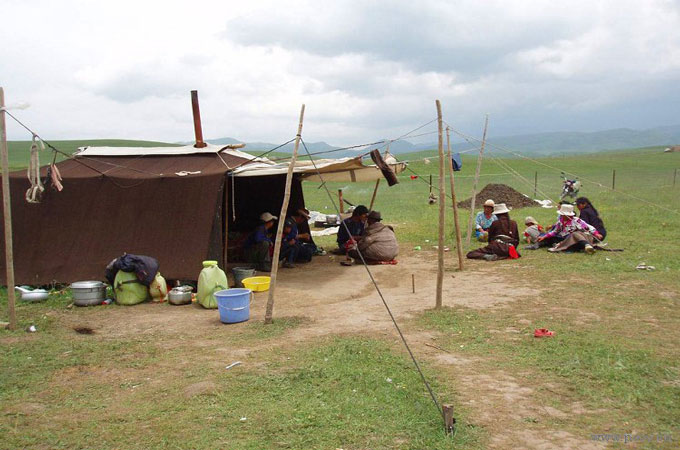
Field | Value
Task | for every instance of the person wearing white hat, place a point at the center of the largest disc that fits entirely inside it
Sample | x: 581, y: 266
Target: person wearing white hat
x: 574, y: 233
x: 258, y: 243
x: 483, y: 221
x: 503, y: 237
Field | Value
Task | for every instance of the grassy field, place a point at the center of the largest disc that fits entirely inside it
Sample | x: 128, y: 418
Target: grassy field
x: 614, y: 360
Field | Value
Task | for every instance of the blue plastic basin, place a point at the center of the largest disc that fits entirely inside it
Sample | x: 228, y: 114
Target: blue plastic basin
x: 234, y: 305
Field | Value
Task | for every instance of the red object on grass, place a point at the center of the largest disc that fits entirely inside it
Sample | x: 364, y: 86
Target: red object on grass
x: 543, y: 332
x: 513, y: 252
x: 413, y: 177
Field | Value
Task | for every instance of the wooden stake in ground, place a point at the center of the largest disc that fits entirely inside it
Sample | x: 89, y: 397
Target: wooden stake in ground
x: 341, y: 202
x: 282, y: 219
x: 7, y: 209
x: 449, y: 421
x: 474, y: 186
x: 375, y: 191
x: 459, y: 244
x: 442, y: 194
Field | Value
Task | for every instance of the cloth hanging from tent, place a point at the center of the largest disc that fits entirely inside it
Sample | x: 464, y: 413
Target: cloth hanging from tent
x: 144, y: 267
x: 34, y: 192
x: 457, y: 162
x: 386, y: 170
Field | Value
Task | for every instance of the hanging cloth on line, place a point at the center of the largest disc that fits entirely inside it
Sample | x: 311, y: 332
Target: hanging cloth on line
x: 457, y: 162
x: 34, y: 193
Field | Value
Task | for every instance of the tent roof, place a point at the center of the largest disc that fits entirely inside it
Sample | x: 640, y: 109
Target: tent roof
x: 343, y: 169
x: 162, y: 151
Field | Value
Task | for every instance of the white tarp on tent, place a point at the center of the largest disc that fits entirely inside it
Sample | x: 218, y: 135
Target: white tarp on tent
x: 162, y: 151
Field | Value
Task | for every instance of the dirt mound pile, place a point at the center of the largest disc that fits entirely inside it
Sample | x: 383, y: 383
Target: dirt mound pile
x: 499, y: 193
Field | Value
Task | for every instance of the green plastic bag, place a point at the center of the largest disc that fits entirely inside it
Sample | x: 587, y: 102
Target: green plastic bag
x: 212, y: 279
x: 128, y: 290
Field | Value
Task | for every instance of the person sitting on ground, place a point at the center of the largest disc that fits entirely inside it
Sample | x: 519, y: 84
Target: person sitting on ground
x: 503, y: 237
x: 483, y: 221
x: 352, y: 228
x: 290, y: 246
x: 304, y: 235
x: 576, y: 234
x: 378, y: 242
x: 533, y: 231
x: 258, y: 244
x: 589, y: 215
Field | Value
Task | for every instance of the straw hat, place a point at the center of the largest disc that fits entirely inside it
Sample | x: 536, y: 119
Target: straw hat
x: 500, y: 208
x: 530, y: 221
x: 566, y: 210
x: 489, y: 203
x: 266, y: 217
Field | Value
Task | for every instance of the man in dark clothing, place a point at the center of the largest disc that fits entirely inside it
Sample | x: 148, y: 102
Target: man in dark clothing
x: 290, y: 245
x: 589, y: 215
x: 304, y: 236
x: 503, y: 238
x: 352, y: 227
x: 258, y: 243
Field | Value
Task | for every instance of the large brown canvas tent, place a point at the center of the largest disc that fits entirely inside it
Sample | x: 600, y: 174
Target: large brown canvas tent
x: 171, y: 207
x: 174, y: 204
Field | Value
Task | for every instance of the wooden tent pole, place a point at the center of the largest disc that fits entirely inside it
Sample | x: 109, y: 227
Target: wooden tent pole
x: 442, y: 201
x: 7, y: 209
x: 459, y: 245
x: 226, y: 219
x: 474, y: 186
x: 375, y: 191
x: 282, y: 219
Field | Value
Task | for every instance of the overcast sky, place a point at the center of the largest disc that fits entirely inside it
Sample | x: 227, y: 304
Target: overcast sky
x: 366, y: 70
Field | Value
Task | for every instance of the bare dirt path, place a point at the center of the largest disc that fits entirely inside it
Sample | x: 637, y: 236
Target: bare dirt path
x: 343, y: 300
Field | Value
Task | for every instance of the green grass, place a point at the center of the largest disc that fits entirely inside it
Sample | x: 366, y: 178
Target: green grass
x: 341, y: 392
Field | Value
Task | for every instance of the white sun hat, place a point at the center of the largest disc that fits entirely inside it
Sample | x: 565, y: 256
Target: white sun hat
x: 566, y: 210
x: 500, y: 208
x: 266, y: 217
x: 489, y: 203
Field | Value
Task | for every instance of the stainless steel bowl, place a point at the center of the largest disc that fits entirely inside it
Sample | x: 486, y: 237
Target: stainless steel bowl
x: 88, y: 293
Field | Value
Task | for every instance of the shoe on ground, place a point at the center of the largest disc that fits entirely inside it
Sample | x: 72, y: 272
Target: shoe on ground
x: 552, y: 250
x: 531, y: 247
x: 491, y: 257
x: 288, y: 265
x: 589, y: 249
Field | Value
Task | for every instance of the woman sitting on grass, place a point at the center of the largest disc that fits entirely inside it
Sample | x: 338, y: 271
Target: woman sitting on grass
x: 577, y: 234
x: 589, y: 215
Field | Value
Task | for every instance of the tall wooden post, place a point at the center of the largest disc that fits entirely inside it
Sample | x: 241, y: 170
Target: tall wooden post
x: 442, y: 201
x: 535, y: 183
x: 282, y: 219
x: 7, y: 210
x: 226, y: 220
x: 375, y: 191
x: 198, y: 129
x: 613, y: 179
x: 474, y: 186
x: 459, y: 244
x: 341, y: 202
x: 675, y: 175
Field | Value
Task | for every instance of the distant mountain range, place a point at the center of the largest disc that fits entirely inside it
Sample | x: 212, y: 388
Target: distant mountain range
x: 537, y: 144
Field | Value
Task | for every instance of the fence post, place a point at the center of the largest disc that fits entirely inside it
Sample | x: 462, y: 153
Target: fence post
x: 675, y: 175
x: 535, y: 183
x: 613, y: 179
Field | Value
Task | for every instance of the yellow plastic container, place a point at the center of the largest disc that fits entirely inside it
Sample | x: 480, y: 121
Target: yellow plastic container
x: 257, y: 284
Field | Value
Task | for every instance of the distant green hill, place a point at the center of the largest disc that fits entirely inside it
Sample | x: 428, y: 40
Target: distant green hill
x: 19, y: 151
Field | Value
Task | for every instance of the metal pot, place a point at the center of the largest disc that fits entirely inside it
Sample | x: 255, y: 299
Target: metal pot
x: 88, y: 293
x: 179, y: 296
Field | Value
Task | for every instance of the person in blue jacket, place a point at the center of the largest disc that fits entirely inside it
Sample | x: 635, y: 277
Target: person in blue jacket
x: 258, y: 244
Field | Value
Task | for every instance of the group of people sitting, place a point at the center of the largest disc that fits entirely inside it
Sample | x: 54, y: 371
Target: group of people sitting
x: 364, y: 233
x: 295, y: 246
x: 569, y: 233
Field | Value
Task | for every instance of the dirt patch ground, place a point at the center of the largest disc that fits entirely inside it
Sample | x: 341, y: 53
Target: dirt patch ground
x: 500, y: 193
x: 342, y: 300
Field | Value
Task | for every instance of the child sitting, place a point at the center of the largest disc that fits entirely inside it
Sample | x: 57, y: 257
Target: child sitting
x: 533, y: 231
